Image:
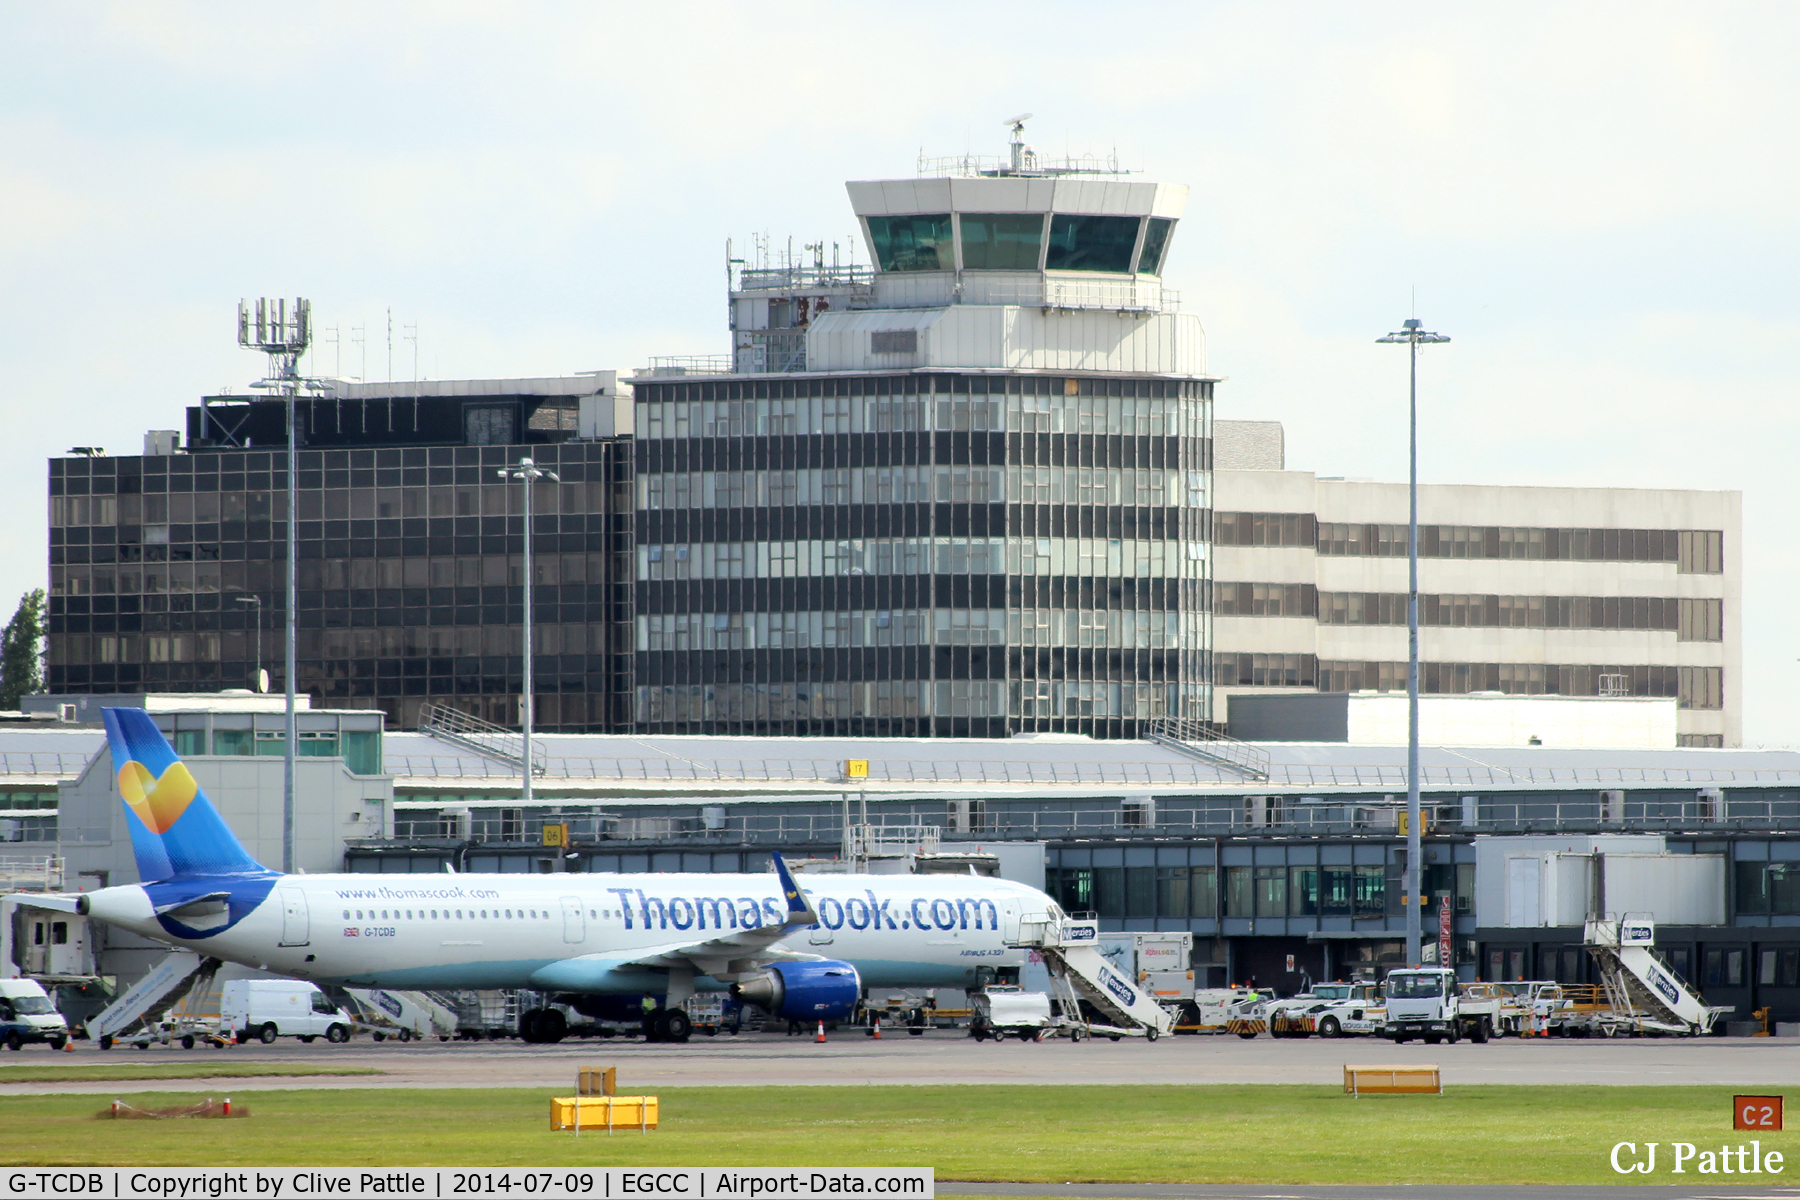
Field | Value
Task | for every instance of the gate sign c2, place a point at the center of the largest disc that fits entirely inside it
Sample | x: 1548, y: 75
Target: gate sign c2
x: 1761, y: 1113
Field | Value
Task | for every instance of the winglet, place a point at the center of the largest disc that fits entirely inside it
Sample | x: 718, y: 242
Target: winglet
x: 799, y: 909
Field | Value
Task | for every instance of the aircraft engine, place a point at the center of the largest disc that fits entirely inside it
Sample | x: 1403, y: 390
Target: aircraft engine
x: 804, y: 991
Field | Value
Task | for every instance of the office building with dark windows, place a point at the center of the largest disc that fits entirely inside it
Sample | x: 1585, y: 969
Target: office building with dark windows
x: 167, y: 570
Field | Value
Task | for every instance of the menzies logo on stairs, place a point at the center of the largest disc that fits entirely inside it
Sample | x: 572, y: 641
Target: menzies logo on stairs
x: 1119, y: 988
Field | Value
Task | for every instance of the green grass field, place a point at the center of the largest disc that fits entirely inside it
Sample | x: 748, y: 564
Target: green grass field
x: 1212, y: 1134
x: 57, y: 1072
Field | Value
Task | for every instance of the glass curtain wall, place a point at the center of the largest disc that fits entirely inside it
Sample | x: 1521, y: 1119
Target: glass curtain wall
x: 936, y: 554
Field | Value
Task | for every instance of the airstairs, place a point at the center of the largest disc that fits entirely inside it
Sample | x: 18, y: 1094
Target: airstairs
x: 1078, y: 972
x: 1199, y: 740
x: 1639, y: 987
x: 406, y: 1015
x: 163, y: 987
x: 485, y: 738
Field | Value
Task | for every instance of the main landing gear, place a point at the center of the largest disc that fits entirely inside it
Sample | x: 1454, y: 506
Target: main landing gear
x: 667, y: 1025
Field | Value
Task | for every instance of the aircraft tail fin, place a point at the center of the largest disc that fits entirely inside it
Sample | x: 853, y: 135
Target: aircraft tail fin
x: 175, y: 830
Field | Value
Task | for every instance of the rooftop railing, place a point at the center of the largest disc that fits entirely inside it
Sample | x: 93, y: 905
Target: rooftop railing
x: 1078, y: 773
x: 1273, y: 816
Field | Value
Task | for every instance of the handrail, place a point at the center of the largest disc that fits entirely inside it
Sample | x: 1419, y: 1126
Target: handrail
x: 1199, y: 739
x: 483, y: 737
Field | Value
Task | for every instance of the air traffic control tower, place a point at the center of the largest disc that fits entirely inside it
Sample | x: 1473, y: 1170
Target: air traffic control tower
x: 963, y: 493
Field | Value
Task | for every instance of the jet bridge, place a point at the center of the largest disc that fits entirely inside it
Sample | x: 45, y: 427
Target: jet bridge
x: 1078, y: 971
x: 1639, y: 986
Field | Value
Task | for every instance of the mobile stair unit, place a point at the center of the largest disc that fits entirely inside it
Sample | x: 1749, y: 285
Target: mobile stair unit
x: 1078, y: 972
x: 135, y: 1015
x: 1643, y: 994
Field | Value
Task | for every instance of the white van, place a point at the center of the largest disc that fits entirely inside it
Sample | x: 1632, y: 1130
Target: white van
x: 265, y: 1009
x: 27, y: 1015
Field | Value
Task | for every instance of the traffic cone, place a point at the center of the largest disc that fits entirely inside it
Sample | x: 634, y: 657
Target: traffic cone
x: 878, y: 1027
x: 821, y: 1036
x: 69, y: 1046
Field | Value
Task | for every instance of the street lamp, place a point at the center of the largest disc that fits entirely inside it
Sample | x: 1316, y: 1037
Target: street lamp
x: 1412, y: 901
x: 256, y: 680
x: 529, y: 473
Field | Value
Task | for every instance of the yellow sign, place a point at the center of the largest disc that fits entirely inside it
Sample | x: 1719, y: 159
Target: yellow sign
x: 1424, y: 822
x: 556, y: 835
x: 856, y: 768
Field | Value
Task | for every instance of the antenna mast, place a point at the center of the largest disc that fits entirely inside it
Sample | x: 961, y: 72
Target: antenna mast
x: 284, y: 334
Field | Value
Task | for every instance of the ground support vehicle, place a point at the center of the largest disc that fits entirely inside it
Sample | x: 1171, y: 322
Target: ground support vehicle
x: 27, y: 1015
x: 1002, y: 1012
x: 1359, y: 1017
x: 1227, y: 1010
x: 712, y: 1011
x: 1425, y: 1002
x: 1644, y: 995
x: 1324, y: 1009
x: 265, y: 1009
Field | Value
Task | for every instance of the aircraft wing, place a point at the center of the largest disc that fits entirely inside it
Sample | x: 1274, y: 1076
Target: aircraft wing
x: 722, y: 957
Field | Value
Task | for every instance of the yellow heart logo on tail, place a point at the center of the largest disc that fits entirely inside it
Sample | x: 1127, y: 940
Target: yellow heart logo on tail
x: 158, y: 803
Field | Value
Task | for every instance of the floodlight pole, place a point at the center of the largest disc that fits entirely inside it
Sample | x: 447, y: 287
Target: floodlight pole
x: 528, y: 473
x: 1412, y: 901
x: 284, y: 337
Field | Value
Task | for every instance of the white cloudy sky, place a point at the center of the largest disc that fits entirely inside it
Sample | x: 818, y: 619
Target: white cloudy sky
x: 1596, y: 200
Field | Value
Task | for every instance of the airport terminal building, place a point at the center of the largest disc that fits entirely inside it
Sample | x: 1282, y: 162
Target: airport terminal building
x: 1289, y: 876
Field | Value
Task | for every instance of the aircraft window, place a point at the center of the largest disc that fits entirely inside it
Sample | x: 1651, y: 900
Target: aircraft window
x: 459, y: 914
x: 509, y: 914
x: 359, y: 914
x: 409, y: 914
x: 384, y: 915
x: 1079, y: 243
x: 593, y: 914
x: 346, y: 914
x: 434, y: 914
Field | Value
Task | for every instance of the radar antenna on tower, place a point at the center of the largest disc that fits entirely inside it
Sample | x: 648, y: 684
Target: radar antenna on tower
x: 1023, y: 157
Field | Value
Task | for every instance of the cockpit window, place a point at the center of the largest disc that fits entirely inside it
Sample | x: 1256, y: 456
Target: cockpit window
x: 1001, y: 241
x: 1156, y: 241
x: 1079, y: 243
x: 914, y: 243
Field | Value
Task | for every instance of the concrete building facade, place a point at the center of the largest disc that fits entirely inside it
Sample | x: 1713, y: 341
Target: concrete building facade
x: 1526, y: 590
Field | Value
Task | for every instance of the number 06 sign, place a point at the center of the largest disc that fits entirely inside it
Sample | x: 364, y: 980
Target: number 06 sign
x: 1761, y: 1113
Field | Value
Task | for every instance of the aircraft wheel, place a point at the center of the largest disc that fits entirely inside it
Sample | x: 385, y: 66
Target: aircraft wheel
x: 337, y: 1035
x: 268, y: 1035
x: 550, y: 1026
x: 915, y: 1031
x: 528, y: 1022
x: 656, y: 1026
x: 676, y: 1026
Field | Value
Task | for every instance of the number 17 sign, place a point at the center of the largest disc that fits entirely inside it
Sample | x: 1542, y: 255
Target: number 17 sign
x: 1761, y: 1113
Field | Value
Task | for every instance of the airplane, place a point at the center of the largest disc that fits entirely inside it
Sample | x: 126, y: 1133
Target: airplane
x: 600, y: 942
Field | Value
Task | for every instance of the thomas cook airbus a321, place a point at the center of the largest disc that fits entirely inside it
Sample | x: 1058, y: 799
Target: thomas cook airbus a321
x: 599, y: 942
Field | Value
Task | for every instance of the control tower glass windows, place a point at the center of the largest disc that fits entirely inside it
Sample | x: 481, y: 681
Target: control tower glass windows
x: 1156, y: 240
x: 1091, y: 243
x: 1002, y: 241
x: 914, y: 243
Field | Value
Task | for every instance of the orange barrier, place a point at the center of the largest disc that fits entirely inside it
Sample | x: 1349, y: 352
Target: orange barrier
x: 1412, y: 1078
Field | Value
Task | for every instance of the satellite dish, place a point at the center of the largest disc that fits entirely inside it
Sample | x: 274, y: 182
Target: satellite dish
x: 1018, y: 122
